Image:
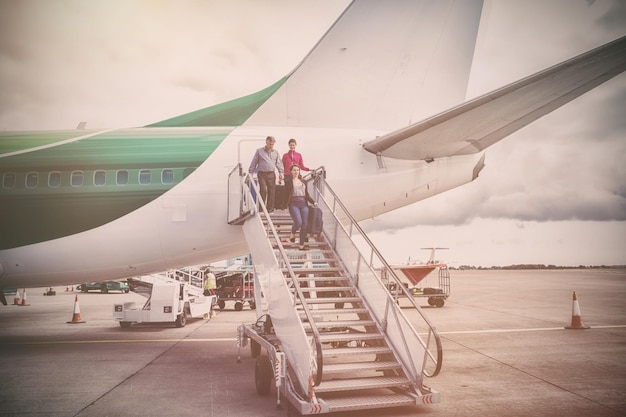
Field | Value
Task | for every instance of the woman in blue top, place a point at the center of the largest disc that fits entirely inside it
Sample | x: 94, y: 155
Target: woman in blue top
x: 298, y: 205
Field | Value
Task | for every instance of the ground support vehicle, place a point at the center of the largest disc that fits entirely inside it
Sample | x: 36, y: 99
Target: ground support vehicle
x: 237, y: 287
x: 169, y: 301
x: 415, y: 274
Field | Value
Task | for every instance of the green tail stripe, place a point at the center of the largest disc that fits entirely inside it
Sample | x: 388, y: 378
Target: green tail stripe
x: 231, y: 113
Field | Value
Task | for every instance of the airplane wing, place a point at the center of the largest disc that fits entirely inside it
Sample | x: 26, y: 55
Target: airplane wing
x: 479, y: 123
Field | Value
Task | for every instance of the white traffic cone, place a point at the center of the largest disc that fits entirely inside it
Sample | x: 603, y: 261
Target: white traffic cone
x: 17, y: 300
x: 76, y: 316
x: 24, y: 299
x: 577, y: 319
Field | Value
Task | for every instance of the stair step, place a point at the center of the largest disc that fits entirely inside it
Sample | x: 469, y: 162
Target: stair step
x: 329, y: 279
x: 347, y: 337
x: 338, y: 368
x: 325, y: 289
x: 367, y: 401
x: 369, y: 350
x: 361, y: 383
x: 335, y: 311
x: 341, y: 323
x: 317, y: 271
x: 332, y: 300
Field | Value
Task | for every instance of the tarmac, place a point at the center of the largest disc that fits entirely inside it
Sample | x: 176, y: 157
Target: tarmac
x: 506, y: 353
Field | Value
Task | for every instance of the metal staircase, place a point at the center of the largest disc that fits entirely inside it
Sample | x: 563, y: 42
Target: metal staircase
x: 338, y: 340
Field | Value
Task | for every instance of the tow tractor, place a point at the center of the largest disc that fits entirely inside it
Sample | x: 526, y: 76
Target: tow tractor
x: 168, y: 301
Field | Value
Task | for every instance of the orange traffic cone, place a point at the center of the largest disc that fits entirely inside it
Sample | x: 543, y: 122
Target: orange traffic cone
x: 76, y: 317
x: 17, y: 300
x: 24, y: 298
x: 577, y: 319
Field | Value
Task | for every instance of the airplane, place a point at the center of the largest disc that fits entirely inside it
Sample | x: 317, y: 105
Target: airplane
x: 383, y: 111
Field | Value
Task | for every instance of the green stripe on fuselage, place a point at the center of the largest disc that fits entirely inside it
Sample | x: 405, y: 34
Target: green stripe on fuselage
x: 177, y: 145
x: 231, y: 113
x: 31, y: 214
x: 19, y: 141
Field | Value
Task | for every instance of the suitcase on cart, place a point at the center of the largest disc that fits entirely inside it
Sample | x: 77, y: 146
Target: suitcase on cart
x: 315, y: 220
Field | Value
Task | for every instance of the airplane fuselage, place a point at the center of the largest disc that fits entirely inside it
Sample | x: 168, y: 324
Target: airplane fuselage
x: 110, y: 218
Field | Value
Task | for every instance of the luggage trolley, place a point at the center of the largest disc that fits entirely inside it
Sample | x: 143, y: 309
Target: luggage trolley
x: 236, y: 286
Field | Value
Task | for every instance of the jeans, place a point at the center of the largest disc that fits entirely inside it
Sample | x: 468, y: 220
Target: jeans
x: 299, y: 211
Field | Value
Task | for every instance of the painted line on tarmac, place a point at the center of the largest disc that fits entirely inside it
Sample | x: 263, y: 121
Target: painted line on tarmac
x: 234, y: 340
x: 76, y: 342
x: 536, y: 329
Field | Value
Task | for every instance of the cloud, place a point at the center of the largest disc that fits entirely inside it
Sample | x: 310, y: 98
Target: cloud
x: 116, y: 63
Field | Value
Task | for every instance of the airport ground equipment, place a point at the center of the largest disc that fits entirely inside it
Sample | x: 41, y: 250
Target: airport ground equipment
x: 329, y: 335
x: 416, y: 273
x: 169, y: 300
x: 236, y: 287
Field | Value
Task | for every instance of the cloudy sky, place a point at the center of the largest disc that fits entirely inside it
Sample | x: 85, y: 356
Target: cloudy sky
x: 553, y: 193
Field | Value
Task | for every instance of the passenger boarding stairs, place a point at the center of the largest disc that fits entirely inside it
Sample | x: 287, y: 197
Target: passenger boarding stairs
x: 347, y: 344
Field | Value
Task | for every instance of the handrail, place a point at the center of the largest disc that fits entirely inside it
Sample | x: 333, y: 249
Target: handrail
x: 321, y: 188
x: 247, y: 181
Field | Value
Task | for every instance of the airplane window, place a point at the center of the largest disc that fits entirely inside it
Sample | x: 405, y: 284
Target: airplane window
x: 167, y: 176
x: 54, y: 179
x: 8, y: 180
x: 99, y: 178
x: 145, y: 176
x: 77, y: 179
x: 32, y: 179
x: 122, y: 177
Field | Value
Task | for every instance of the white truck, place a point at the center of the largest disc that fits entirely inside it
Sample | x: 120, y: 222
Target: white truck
x: 171, y: 302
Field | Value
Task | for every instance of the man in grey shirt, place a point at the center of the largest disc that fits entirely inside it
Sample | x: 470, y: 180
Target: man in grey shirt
x: 264, y: 163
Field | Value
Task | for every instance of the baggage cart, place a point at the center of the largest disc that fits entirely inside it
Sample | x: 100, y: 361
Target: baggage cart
x: 235, y: 286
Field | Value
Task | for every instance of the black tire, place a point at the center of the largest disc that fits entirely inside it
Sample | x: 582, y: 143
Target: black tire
x: 124, y: 324
x: 238, y: 306
x: 221, y: 304
x: 252, y: 305
x: 83, y: 289
x: 431, y: 301
x: 104, y: 289
x: 181, y: 320
x: 263, y: 375
x: 439, y: 302
x: 255, y: 349
x: 126, y: 291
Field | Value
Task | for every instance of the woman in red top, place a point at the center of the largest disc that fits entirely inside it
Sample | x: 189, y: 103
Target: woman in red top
x: 292, y: 158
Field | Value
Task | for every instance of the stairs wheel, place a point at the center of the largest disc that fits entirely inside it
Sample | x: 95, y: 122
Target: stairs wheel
x: 263, y: 375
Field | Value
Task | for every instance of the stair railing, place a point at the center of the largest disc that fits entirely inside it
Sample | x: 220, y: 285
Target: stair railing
x: 342, y: 230
x: 242, y: 206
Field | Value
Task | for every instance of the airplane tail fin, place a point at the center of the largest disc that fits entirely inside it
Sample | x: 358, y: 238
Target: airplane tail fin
x: 382, y: 65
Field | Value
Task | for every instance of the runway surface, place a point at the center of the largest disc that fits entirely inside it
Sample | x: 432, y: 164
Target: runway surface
x: 506, y: 353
